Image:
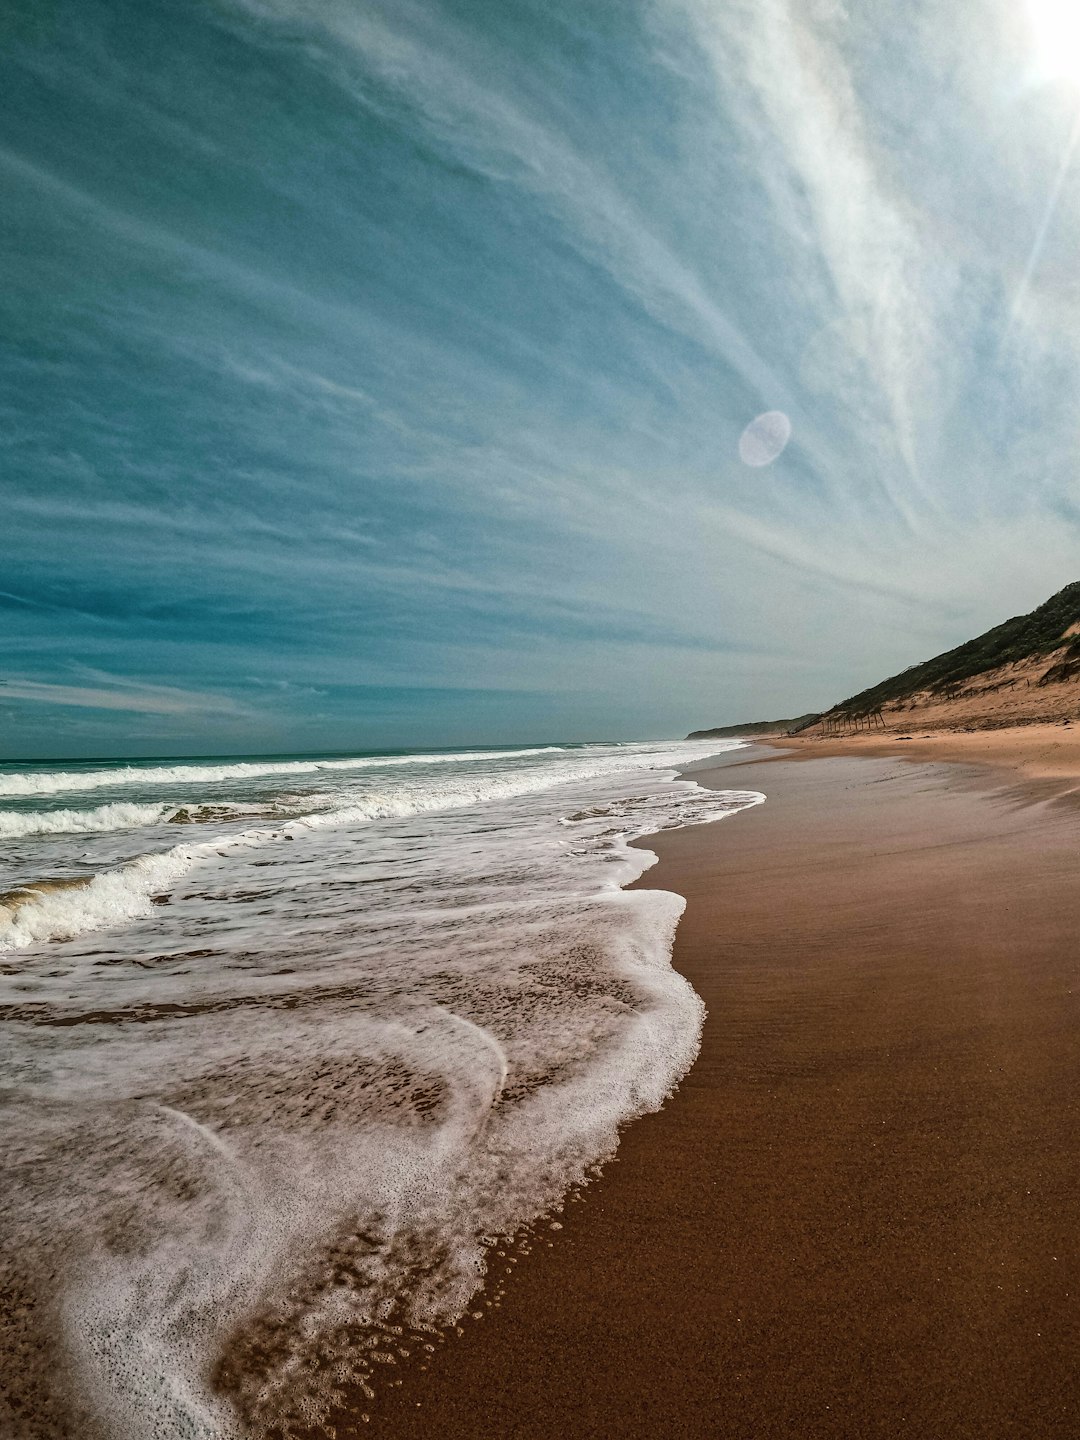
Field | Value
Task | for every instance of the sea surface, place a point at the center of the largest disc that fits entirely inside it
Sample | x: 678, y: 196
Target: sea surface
x: 291, y: 1046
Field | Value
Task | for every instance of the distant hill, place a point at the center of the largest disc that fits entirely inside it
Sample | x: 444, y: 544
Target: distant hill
x: 1021, y: 671
x: 755, y: 727
x: 1025, y: 637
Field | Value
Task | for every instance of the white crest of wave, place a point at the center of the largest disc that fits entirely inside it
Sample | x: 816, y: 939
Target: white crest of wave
x: 119, y: 816
x: 116, y: 896
x: 56, y: 782
x: 108, y: 898
x: 119, y: 895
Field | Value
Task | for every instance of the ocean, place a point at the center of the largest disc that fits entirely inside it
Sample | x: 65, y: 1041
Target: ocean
x: 292, y: 1046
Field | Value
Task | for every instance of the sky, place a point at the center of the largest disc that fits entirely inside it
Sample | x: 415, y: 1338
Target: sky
x: 378, y: 373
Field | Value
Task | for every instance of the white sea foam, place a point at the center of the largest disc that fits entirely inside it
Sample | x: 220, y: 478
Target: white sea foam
x: 274, y: 1129
x: 125, y: 892
x: 51, y: 912
x: 127, y: 815
x: 80, y: 822
x: 57, y: 782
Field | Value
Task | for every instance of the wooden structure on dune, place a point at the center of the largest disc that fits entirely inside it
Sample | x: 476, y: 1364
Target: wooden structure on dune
x: 844, y: 722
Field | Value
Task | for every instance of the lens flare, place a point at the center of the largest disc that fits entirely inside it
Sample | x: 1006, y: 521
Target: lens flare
x: 764, y: 439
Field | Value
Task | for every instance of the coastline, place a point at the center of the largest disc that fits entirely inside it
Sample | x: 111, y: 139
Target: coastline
x: 856, y: 1217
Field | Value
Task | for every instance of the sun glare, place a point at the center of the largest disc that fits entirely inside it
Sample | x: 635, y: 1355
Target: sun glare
x: 1056, y: 26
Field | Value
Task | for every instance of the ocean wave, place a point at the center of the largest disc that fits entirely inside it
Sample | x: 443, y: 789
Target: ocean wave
x: 46, y: 912
x: 51, y: 910
x: 78, y: 822
x: 17, y: 824
x: 55, y: 782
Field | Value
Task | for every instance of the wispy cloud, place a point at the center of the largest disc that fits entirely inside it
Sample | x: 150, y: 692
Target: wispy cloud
x: 461, y: 103
x: 121, y: 694
x: 783, y: 73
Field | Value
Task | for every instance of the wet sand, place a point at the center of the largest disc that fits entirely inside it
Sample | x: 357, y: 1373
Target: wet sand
x: 860, y: 1215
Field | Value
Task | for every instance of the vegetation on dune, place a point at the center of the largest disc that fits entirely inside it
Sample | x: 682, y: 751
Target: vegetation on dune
x: 1042, y: 633
x: 1023, y: 637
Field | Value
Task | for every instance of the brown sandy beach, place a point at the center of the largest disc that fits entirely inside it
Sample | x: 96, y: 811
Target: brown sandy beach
x: 860, y: 1215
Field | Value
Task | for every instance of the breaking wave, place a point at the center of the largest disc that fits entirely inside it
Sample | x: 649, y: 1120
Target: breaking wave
x: 80, y: 822
x: 56, y: 782
x: 102, y: 819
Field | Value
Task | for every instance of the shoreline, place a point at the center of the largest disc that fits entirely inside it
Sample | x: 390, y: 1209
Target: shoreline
x: 856, y: 1216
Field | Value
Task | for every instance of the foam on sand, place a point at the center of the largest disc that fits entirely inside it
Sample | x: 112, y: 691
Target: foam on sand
x: 263, y: 1138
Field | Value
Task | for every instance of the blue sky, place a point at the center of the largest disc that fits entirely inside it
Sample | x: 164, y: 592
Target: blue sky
x: 374, y: 373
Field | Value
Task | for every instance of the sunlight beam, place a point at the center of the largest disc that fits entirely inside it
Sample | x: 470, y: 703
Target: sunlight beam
x: 1056, y: 28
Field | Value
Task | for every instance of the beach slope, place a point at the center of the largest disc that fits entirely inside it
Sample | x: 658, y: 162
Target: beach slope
x: 858, y: 1216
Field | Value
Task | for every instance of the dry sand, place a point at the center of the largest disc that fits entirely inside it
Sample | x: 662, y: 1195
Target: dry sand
x: 860, y: 1215
x: 1045, y: 751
